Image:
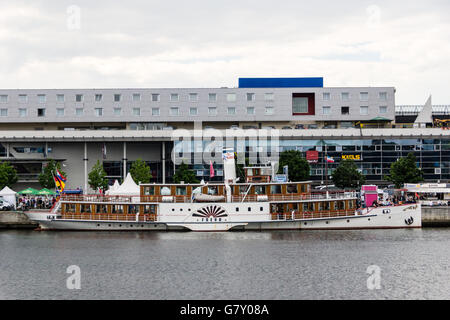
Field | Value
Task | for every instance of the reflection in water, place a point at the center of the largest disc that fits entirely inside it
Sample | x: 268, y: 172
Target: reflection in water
x: 226, y: 265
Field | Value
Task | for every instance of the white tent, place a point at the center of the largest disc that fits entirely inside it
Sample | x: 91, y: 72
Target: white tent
x: 128, y: 188
x: 114, y: 187
x: 9, y: 196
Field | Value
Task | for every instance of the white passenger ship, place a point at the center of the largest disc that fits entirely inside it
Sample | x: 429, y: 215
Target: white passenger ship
x: 259, y: 203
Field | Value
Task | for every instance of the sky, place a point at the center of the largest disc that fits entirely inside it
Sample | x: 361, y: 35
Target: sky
x: 207, y: 44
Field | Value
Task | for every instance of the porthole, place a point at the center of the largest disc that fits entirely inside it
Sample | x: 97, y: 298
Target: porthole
x: 173, y: 209
x: 142, y: 225
x: 305, y: 223
x: 131, y: 226
x: 189, y: 209
x: 120, y: 225
x: 181, y: 209
x: 109, y: 225
x: 368, y: 219
x: 98, y: 224
x: 237, y: 209
x: 348, y: 221
x: 326, y: 222
x: 261, y: 209
x: 249, y: 209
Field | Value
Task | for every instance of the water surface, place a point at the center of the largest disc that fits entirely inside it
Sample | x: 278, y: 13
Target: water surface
x: 414, y: 264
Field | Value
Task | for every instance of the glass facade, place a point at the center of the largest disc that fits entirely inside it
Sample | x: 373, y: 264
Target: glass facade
x: 372, y: 156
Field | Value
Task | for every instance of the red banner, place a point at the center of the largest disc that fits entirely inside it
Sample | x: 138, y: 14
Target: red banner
x: 312, y: 156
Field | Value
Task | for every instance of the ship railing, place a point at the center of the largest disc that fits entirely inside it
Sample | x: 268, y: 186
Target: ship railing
x: 110, y: 217
x: 97, y: 198
x: 188, y: 199
x: 293, y: 197
x: 312, y: 215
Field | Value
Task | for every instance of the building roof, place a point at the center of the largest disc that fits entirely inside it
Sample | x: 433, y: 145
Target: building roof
x: 171, y: 135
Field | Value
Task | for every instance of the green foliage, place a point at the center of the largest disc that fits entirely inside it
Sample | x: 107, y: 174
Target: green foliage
x: 298, y: 167
x: 405, y: 170
x: 97, y: 177
x: 8, y: 175
x: 46, y: 177
x: 347, y: 175
x: 140, y: 172
x: 183, y: 173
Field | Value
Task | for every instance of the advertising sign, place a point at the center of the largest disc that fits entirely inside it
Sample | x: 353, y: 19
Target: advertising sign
x: 355, y: 157
x: 312, y: 156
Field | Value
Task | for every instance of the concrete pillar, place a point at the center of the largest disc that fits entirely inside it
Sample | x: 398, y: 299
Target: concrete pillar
x: 163, y: 159
x: 85, y: 160
x: 124, y: 160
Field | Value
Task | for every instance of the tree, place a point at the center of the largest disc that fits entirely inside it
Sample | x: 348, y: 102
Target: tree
x: 46, y: 176
x: 346, y: 175
x: 97, y: 177
x: 183, y: 173
x: 298, y: 167
x: 405, y: 170
x: 8, y: 175
x: 140, y: 171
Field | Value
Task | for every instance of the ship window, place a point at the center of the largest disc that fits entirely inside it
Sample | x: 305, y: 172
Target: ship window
x: 275, y: 189
x: 260, y: 189
x: 212, y: 190
x: 220, y: 219
x: 340, y: 205
x: 85, y: 208
x: 291, y: 188
x: 243, y: 189
x: 70, y: 208
x: 101, y: 208
x: 117, y: 209
x: 181, y: 191
x: 149, y: 191
x: 132, y: 209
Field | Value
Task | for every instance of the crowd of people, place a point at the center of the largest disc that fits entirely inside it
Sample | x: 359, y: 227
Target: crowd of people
x: 35, y: 202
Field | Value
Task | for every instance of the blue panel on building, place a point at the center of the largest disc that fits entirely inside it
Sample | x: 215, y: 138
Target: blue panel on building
x: 280, y: 82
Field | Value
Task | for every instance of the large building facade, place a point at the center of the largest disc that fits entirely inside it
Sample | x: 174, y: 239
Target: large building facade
x: 79, y: 127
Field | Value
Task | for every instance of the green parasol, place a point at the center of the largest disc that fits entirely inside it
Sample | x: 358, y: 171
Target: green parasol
x: 29, y: 191
x: 46, y: 192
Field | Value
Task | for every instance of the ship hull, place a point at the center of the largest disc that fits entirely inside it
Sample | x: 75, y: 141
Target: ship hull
x: 408, y: 216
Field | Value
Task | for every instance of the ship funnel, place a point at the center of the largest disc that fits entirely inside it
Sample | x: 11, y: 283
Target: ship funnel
x: 229, y: 167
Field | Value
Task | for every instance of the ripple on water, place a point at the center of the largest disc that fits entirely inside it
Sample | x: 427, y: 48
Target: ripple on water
x: 233, y: 265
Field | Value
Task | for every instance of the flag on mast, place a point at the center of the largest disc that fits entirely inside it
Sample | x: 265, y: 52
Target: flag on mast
x: 329, y: 159
x: 60, y: 181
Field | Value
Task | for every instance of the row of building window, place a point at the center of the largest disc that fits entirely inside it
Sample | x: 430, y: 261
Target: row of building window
x: 173, y: 111
x: 363, y: 110
x: 212, y: 97
x: 136, y: 97
x: 193, y: 111
x: 363, y: 96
